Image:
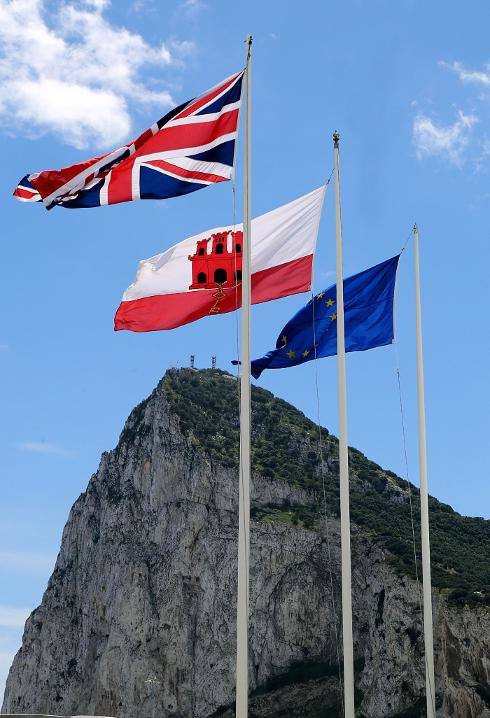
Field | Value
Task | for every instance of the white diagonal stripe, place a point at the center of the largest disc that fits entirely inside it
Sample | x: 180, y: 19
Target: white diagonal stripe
x: 202, y: 119
x: 210, y: 91
x: 213, y: 168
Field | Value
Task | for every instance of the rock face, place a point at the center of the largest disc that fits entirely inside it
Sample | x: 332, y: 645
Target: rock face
x: 138, y: 619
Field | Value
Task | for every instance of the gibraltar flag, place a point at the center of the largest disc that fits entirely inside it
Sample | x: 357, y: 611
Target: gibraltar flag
x: 201, y: 276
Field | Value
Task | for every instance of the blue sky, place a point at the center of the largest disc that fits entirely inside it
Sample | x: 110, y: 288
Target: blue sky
x: 408, y: 86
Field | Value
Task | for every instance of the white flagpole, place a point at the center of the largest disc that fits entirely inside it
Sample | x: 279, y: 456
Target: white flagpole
x: 244, y: 488
x: 424, y: 497
x: 343, y: 458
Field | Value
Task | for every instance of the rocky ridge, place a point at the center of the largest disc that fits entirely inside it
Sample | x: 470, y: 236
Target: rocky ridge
x: 138, y: 618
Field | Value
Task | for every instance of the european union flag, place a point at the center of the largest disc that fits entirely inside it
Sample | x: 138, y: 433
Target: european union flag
x: 368, y: 320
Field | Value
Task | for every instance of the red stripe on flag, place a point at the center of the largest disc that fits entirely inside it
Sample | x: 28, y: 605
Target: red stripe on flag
x: 25, y: 193
x: 283, y: 280
x: 168, y: 311
x: 120, y: 188
x: 189, y: 135
x: 49, y: 181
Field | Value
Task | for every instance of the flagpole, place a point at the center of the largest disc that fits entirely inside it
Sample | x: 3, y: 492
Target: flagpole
x: 244, y: 483
x: 343, y: 458
x: 424, y: 496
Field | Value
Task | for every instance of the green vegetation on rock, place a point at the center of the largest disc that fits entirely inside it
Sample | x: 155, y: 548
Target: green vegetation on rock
x: 303, y: 517
x: 285, y: 447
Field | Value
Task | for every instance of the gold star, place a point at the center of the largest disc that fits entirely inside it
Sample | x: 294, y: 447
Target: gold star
x: 333, y: 316
x: 284, y: 340
x: 330, y: 302
x: 320, y: 295
x: 291, y: 354
x: 305, y: 353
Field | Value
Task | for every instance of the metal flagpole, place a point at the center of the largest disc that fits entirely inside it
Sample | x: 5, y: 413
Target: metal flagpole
x: 424, y: 497
x: 343, y: 458
x: 244, y: 488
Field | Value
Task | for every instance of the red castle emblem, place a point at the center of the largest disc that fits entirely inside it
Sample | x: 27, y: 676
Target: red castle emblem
x: 222, y: 266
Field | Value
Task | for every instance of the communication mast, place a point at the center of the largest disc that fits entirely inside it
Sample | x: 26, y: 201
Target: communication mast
x: 193, y: 358
x: 213, y: 362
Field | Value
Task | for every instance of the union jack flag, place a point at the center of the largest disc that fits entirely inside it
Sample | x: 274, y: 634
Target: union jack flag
x: 191, y: 147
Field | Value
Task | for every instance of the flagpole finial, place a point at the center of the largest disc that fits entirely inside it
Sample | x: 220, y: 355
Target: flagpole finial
x: 248, y: 43
x: 336, y: 138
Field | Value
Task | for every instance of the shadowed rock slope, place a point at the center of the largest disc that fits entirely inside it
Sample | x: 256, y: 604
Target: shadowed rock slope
x: 138, y: 619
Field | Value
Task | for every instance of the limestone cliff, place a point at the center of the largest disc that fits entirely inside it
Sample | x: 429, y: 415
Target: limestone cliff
x: 138, y: 619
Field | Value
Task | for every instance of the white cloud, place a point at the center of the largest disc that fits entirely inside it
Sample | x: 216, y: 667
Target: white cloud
x: 98, y: 4
x: 61, y: 107
x: 447, y: 141
x: 13, y: 617
x: 68, y: 70
x: 43, y: 447
x: 477, y: 77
